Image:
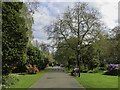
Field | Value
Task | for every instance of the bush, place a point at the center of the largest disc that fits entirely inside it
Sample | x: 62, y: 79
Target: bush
x: 90, y: 71
x: 8, y: 80
x: 43, y: 64
x: 95, y: 70
x: 84, y: 71
x: 112, y: 69
x: 36, y: 57
x: 19, y: 69
x: 113, y: 72
x: 102, y: 68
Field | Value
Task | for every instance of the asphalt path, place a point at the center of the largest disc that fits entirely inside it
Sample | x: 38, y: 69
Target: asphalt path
x: 56, y: 77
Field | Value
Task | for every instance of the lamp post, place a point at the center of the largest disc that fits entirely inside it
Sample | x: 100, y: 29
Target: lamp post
x: 78, y: 47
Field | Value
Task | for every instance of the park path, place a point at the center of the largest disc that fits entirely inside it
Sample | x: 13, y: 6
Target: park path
x: 57, y: 78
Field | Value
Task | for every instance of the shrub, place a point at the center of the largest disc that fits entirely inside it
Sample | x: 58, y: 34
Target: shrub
x: 95, y: 70
x: 19, y: 69
x: 102, y: 68
x: 114, y: 72
x: 44, y: 63
x: 84, y: 71
x: 36, y: 57
x: 8, y: 80
x: 90, y: 71
x: 112, y: 69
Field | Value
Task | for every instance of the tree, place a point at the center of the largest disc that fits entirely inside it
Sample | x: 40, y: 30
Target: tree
x: 35, y: 57
x: 90, y: 58
x: 115, y: 45
x: 102, y: 45
x: 28, y: 21
x: 81, y: 21
x: 32, y: 6
x: 14, y: 35
x: 65, y: 54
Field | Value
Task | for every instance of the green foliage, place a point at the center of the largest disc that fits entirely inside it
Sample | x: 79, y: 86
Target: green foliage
x: 114, y: 40
x: 65, y: 54
x: 36, y: 57
x: 95, y: 70
x: 8, y: 80
x: 114, y: 72
x: 16, y: 41
x: 102, y: 46
x: 90, y: 57
x: 83, y: 68
x: 14, y: 35
x: 13, y: 32
x: 28, y: 21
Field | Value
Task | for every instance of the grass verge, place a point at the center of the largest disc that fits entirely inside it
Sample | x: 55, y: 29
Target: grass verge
x: 97, y: 80
x: 25, y: 81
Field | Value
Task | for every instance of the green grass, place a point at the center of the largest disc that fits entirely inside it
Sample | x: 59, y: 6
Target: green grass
x: 25, y: 81
x: 97, y: 80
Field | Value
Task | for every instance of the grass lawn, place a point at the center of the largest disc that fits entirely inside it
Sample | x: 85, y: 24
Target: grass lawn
x: 97, y: 80
x: 25, y: 81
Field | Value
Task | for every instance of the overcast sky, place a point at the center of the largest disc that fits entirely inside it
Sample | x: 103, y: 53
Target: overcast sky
x: 48, y: 11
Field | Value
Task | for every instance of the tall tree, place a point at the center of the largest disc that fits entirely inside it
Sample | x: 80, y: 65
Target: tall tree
x: 14, y: 35
x: 81, y: 21
x: 115, y: 45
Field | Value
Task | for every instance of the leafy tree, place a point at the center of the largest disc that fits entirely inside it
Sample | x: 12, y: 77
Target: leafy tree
x: 65, y: 54
x: 28, y: 21
x: 82, y: 21
x: 91, y: 58
x: 14, y: 36
x: 114, y: 56
x: 102, y: 45
x: 36, y: 57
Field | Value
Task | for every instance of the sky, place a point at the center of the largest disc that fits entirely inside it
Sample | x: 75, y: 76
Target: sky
x: 48, y: 11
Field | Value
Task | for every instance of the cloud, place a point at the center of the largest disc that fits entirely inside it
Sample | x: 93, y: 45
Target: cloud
x: 48, y: 11
x: 42, y: 16
x: 109, y: 11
